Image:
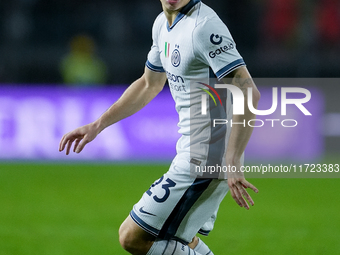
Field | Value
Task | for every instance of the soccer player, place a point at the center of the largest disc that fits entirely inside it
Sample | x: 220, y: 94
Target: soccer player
x: 189, y: 42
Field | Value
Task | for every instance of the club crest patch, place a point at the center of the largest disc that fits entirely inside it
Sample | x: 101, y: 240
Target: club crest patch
x: 175, y: 58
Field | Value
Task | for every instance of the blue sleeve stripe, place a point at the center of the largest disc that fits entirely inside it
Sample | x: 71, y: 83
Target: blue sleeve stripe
x: 230, y: 67
x: 154, y: 68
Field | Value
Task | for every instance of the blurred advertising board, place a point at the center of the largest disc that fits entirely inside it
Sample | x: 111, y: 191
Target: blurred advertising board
x: 33, y: 120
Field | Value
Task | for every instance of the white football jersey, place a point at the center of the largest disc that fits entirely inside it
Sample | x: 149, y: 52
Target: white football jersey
x: 180, y: 203
x: 197, y: 44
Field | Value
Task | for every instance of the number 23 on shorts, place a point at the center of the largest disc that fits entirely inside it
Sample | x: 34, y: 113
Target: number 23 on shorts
x: 170, y: 183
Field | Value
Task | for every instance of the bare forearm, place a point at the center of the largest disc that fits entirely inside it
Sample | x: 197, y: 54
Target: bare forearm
x: 135, y: 97
x: 139, y: 94
x: 241, y: 131
x: 240, y: 135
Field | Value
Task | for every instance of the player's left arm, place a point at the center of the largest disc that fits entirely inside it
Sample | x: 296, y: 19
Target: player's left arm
x: 239, y: 137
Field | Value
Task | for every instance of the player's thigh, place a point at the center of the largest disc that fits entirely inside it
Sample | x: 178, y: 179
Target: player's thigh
x: 201, y: 216
x: 157, y: 204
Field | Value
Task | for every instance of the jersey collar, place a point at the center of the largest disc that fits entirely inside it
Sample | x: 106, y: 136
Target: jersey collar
x: 182, y: 13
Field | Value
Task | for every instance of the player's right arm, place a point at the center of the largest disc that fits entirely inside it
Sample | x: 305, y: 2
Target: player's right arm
x: 135, y: 97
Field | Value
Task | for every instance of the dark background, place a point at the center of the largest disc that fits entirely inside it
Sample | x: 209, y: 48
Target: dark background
x: 277, y: 38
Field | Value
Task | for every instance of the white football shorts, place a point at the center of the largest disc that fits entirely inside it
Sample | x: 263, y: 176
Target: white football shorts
x: 178, y: 205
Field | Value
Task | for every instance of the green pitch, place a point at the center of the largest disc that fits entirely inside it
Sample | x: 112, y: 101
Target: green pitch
x: 52, y: 209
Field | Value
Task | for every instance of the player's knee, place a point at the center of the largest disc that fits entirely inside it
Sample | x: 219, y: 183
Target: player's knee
x: 130, y: 242
x: 134, y: 239
x: 124, y: 238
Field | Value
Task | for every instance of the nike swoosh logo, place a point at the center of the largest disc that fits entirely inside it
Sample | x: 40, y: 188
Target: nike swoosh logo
x: 142, y: 211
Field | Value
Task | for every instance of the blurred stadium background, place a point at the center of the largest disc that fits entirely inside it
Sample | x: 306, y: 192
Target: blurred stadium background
x: 62, y: 63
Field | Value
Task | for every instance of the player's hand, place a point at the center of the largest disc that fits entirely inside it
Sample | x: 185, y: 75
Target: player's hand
x: 80, y: 136
x: 238, y: 185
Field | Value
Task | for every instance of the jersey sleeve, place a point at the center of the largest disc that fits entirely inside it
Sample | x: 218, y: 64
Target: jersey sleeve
x: 154, y: 61
x: 214, y: 46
